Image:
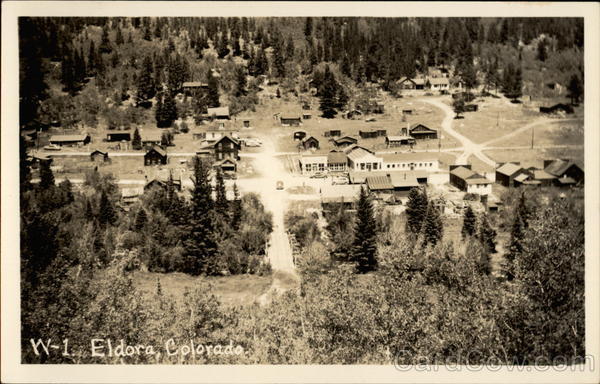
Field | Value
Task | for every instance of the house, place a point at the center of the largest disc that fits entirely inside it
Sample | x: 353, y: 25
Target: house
x: 462, y: 177
x: 563, y: 169
x: 290, y: 121
x: 299, y: 135
x: 219, y: 113
x: 98, y: 156
x: 246, y: 123
x: 415, y: 83
x: 163, y: 177
x: 332, y: 133
x: 352, y: 114
x: 151, y: 137
x: 398, y: 141
x: 70, y: 140
x: 313, y: 163
x: 131, y: 195
x: 337, y: 161
x: 306, y: 116
x: 306, y: 107
x: 155, y: 156
x: 471, y: 107
x: 410, y: 161
x: 380, y: 185
x: 119, y: 136
x: 403, y: 182
x: 564, y: 108
x: 371, y: 134
x: 439, y: 83
x: 362, y: 159
x: 407, y: 111
x: 310, y: 142
x: 226, y: 148
x: 345, y: 141
x: 420, y: 131
x: 189, y: 87
x: 36, y: 160
x: 506, y: 173
x: 227, y: 165
x: 542, y: 177
x: 332, y: 196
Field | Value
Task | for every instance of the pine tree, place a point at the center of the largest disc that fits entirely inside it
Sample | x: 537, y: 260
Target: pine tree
x: 241, y: 82
x: 308, y: 29
x: 469, y: 222
x: 146, y: 87
x: 147, y: 34
x: 541, y: 50
x: 236, y: 208
x: 213, y: 91
x: 107, y: 214
x: 575, y: 89
x: 364, y: 247
x: 416, y: 209
x: 515, y: 248
x: 169, y: 112
x: 159, y: 111
x: 200, y: 245
x: 119, y: 37
x: 459, y: 107
x: 487, y: 234
x: 136, y: 143
x: 328, y: 92
x: 433, y: 229
x: 221, y: 203
x: 46, y: 176
x: 140, y: 219
x: 105, y: 46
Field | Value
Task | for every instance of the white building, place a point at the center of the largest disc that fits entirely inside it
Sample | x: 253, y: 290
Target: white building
x: 313, y: 163
x: 410, y: 161
x: 362, y: 159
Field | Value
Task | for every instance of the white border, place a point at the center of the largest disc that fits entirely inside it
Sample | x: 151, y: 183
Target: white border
x: 13, y: 371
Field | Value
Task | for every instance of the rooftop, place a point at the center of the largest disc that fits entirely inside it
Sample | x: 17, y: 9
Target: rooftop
x: 337, y: 193
x: 403, y: 179
x: 336, y: 157
x: 219, y: 111
x: 379, y: 183
x: 77, y: 137
x: 408, y: 156
x: 508, y: 169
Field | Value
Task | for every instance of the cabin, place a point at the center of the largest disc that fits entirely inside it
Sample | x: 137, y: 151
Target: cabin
x: 36, y: 160
x: 155, y: 156
x: 565, y: 171
x: 299, y: 135
x: 380, y: 185
x: 310, y: 142
x: 379, y: 108
x: 410, y: 161
x: 332, y: 133
x: 352, y: 114
x: 151, y: 137
x: 345, y: 141
x: 98, y: 156
x: 420, y: 131
x: 119, y: 136
x: 506, y: 174
x: 337, y: 161
x: 407, y: 111
x: 290, y: 121
x: 306, y: 116
x: 417, y: 83
x: 439, y: 83
x: 334, y: 196
x: 471, y: 107
x: 312, y: 163
x: 306, y: 107
x: 398, y: 141
x: 219, y: 113
x: 226, y: 148
x: 246, y: 123
x: 163, y: 177
x: 372, y: 134
x: 77, y: 140
x: 191, y: 87
x: 462, y: 177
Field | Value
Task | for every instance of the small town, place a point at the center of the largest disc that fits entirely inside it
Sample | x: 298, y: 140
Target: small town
x: 304, y: 191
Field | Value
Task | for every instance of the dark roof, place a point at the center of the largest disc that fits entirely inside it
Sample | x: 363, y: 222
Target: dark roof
x: 335, y: 157
x: 158, y: 150
x: 345, y: 139
x: 229, y: 138
x: 68, y: 138
x: 417, y: 125
x: 559, y: 167
x: 99, y: 151
x: 308, y: 138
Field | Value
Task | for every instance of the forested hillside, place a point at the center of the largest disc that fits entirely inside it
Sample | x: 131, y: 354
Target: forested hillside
x: 85, y: 70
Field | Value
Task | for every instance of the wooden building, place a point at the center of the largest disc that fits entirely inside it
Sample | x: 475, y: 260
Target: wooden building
x: 290, y: 121
x: 398, y: 141
x: 421, y: 131
x: 98, y: 156
x: 155, y: 156
x: 76, y: 140
x: 345, y: 141
x: 310, y: 142
x: 119, y: 136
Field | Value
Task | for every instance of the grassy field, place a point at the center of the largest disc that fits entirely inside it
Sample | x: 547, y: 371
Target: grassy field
x: 556, y: 132
x: 534, y: 157
x: 237, y: 290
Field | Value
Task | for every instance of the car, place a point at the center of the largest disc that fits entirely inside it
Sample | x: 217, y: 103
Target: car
x: 52, y: 147
x: 318, y: 175
x: 340, y: 180
x: 370, y: 119
x: 279, y: 185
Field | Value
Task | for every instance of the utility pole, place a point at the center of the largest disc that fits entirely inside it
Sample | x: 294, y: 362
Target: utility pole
x: 532, y: 133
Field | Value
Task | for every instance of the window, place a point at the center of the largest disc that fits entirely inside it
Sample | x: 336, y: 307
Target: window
x: 388, y: 166
x: 307, y: 167
x: 374, y: 165
x: 393, y: 166
x: 362, y: 166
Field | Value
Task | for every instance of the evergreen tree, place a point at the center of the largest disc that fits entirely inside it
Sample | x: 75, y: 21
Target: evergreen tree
x: 575, y: 89
x: 159, y: 113
x: 146, y: 87
x: 107, y: 214
x: 200, y: 246
x: 416, y: 209
x: 469, y: 222
x: 119, y: 37
x: 213, y: 91
x: 136, y: 142
x: 515, y: 248
x: 308, y: 29
x: 487, y: 234
x: 328, y: 92
x: 364, y: 247
x: 541, y: 50
x: 278, y: 60
x: 241, y: 83
x: 236, y: 208
x: 433, y: 228
x: 169, y: 111
x: 105, y: 46
x: 147, y: 34
x: 46, y: 176
x: 222, y: 49
x: 221, y: 203
x: 140, y: 219
x: 459, y: 107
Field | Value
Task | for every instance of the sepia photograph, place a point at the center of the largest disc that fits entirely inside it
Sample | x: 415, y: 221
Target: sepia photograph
x: 205, y: 190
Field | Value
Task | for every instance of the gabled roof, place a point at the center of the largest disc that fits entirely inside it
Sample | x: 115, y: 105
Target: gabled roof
x: 158, y: 150
x: 380, y: 182
x: 99, y: 151
x: 418, y: 127
x: 132, y: 192
x: 478, y: 179
x: 403, y: 179
x: 312, y: 159
x: 335, y: 157
x: 66, y: 138
x: 346, y: 139
x: 219, y: 111
x: 508, y: 169
x: 521, y: 177
x: 359, y: 153
x: 308, y: 138
x: 559, y: 167
x: 237, y: 143
x: 227, y: 160
x: 290, y: 117
x: 462, y: 172
x: 439, y: 81
x: 566, y: 180
x: 540, y: 174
